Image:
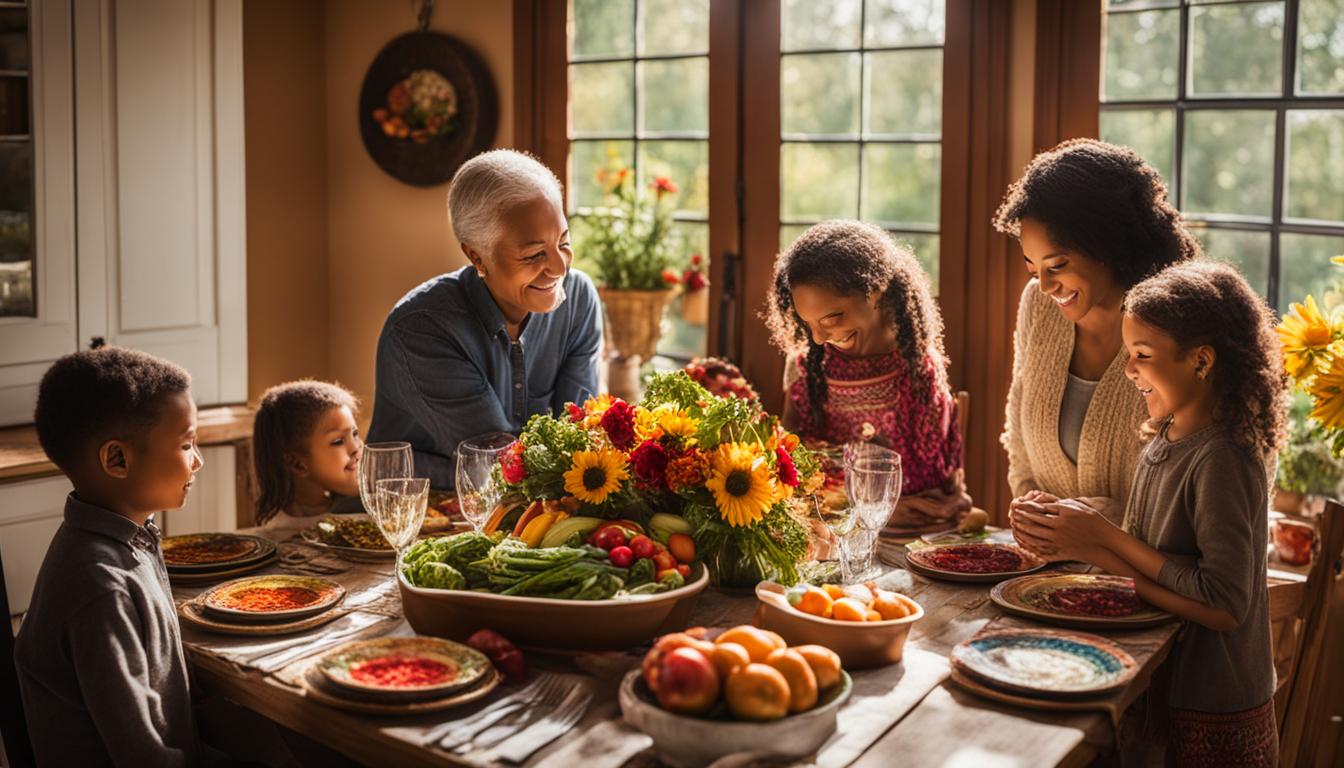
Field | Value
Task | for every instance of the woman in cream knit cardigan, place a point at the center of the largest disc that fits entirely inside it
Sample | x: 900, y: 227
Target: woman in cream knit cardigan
x: 1093, y: 220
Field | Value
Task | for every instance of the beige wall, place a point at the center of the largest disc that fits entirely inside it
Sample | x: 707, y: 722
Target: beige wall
x: 333, y: 241
x: 285, y: 113
x: 384, y: 236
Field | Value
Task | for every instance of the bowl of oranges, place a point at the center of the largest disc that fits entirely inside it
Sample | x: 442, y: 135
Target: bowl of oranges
x: 866, y: 625
x: 744, y: 692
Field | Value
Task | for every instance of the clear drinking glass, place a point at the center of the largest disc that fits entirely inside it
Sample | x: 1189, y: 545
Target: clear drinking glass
x: 382, y: 461
x: 399, y: 509
x: 873, y: 483
x: 479, y: 486
x: 842, y: 522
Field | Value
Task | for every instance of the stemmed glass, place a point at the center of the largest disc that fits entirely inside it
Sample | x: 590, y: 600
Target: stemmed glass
x: 400, y: 510
x: 382, y: 461
x: 873, y: 484
x: 479, y: 486
x: 841, y: 522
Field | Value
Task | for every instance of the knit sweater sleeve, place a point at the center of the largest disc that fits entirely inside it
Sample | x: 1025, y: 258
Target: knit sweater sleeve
x: 1020, y: 476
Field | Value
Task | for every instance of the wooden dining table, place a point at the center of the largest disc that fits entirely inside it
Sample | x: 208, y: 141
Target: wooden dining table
x: 915, y: 714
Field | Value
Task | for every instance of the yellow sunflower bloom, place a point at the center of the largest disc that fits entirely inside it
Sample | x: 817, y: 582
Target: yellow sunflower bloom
x: 675, y: 422
x: 742, y: 484
x: 1305, y: 335
x: 1328, y: 393
x: 1338, y: 259
x: 595, y: 475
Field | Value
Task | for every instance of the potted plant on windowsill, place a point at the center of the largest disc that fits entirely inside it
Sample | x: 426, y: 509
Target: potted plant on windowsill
x: 1306, y: 467
x: 631, y: 250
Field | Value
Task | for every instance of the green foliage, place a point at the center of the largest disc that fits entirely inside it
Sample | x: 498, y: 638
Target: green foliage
x: 676, y: 388
x: 627, y: 243
x: 1306, y: 464
x: 550, y: 445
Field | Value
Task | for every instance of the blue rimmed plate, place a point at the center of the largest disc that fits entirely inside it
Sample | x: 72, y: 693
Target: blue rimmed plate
x: 1043, y: 662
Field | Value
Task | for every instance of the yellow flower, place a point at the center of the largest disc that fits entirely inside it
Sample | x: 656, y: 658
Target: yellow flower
x: 1338, y: 259
x: 1305, y: 335
x: 646, y: 425
x: 742, y: 484
x: 1327, y: 390
x: 595, y: 475
x: 595, y: 407
x: 674, y: 422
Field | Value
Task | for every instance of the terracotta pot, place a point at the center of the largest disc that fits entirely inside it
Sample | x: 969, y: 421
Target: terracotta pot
x: 695, y: 307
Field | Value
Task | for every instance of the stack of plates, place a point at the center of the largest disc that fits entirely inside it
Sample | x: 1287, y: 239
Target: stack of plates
x: 265, y: 605
x: 1044, y: 663
x: 398, y: 675
x: 203, y: 557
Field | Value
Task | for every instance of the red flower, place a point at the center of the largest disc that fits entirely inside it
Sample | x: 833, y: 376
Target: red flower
x: 696, y: 259
x: 511, y: 464
x: 694, y: 280
x: 670, y: 276
x: 649, y: 462
x: 663, y: 186
x: 575, y: 412
x: 788, y: 473
x: 619, y: 423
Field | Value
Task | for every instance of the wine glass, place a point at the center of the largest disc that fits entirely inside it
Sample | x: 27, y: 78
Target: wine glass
x: 479, y: 485
x: 841, y: 521
x: 382, y: 461
x: 873, y: 483
x: 399, y: 509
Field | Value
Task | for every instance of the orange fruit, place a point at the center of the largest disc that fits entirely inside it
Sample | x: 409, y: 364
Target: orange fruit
x: 756, y: 642
x: 799, y: 675
x: 824, y: 662
x: 872, y: 615
x: 891, y: 606
x: 729, y: 656
x: 816, y: 602
x: 849, y: 609
x: 757, y: 692
x: 835, y: 591
x: 776, y: 638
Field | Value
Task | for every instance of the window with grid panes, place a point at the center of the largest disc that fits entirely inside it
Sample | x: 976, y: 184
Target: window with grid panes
x: 16, y: 165
x: 639, y: 96
x: 1240, y: 107
x: 861, y: 117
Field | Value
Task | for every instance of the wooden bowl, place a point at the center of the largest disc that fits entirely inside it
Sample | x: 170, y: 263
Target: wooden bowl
x: 547, y: 623
x: 690, y: 742
x: 860, y: 644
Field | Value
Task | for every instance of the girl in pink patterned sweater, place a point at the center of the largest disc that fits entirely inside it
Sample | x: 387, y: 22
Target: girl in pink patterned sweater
x: 854, y: 313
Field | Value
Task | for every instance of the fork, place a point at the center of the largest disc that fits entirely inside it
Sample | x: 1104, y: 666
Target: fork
x: 549, y: 728
x: 455, y: 732
x: 526, y: 715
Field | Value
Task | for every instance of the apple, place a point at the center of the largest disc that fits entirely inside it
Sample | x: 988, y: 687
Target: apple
x: 688, y: 683
x: 665, y: 645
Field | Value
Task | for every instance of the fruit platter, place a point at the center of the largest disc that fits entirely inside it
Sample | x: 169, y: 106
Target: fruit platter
x: 744, y: 691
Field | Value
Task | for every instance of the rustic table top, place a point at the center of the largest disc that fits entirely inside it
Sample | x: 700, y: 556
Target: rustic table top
x: 911, y: 711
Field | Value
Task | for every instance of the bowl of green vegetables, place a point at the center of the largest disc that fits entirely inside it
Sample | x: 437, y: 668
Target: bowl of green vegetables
x: 566, y: 598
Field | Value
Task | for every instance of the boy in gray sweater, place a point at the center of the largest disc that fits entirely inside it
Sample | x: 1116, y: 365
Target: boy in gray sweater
x: 99, y: 655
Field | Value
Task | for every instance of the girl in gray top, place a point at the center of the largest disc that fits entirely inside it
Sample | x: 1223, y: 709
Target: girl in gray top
x: 1203, y: 354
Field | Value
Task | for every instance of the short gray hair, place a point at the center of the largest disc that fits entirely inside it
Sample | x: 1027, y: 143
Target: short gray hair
x: 491, y: 183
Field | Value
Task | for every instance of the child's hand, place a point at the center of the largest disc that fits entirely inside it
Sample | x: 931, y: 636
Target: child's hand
x: 1061, y: 530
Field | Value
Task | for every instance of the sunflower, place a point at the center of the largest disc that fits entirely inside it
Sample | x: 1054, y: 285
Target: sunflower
x: 1338, y: 259
x: 1305, y: 334
x: 1328, y: 393
x: 595, y: 475
x: 674, y: 422
x: 742, y: 484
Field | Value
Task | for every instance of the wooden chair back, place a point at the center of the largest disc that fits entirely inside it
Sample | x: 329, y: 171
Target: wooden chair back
x: 1300, y: 701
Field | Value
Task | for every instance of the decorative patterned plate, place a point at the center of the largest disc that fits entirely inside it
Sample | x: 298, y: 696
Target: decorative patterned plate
x: 1082, y: 600
x: 195, y: 615
x: 318, y: 688
x: 276, y: 597
x: 181, y: 579
x: 201, y: 552
x: 404, y: 668
x: 360, y: 525
x: 1045, y: 662
x: 971, y: 562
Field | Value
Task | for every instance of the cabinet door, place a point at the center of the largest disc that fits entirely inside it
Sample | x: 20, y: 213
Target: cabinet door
x: 159, y: 144
x: 37, y: 205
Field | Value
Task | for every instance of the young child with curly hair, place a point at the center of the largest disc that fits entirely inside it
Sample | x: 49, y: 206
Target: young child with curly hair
x: 854, y: 313
x: 1204, y: 357
x: 305, y: 452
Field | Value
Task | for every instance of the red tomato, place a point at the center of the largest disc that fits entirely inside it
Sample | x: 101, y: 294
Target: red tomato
x: 685, y: 571
x: 682, y: 547
x: 609, y: 538
x: 643, y: 546
x: 663, y: 561
x: 622, y: 556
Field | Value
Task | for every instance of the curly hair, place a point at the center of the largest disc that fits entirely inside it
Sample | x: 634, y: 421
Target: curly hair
x: 1209, y: 303
x: 1102, y: 201
x: 96, y: 395
x: 852, y: 258
x: 286, y: 419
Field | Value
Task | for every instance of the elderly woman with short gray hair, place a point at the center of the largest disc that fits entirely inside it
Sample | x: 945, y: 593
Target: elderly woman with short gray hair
x: 515, y: 333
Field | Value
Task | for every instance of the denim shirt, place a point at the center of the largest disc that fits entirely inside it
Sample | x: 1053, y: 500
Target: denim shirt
x: 447, y: 369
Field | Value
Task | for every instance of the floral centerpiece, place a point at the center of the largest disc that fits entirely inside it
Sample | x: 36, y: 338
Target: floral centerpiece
x: 1313, y: 349
x: 721, y: 463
